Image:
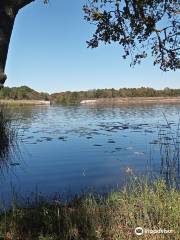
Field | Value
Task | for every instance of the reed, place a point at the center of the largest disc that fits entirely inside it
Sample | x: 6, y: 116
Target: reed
x: 169, y: 145
x: 8, y: 135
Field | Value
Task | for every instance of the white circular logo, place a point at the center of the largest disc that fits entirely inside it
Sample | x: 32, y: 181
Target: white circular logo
x: 139, y: 231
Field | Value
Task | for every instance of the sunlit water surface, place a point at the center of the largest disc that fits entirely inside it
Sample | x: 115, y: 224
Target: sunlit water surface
x: 78, y: 147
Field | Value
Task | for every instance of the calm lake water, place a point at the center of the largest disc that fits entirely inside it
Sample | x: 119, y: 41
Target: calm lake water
x: 73, y: 148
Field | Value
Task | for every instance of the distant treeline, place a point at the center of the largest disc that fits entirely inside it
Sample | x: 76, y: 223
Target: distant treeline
x: 20, y: 93
x: 77, y: 97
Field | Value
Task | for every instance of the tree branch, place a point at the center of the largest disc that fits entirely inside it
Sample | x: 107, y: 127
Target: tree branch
x: 23, y: 3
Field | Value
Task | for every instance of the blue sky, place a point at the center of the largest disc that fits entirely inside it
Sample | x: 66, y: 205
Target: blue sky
x: 48, y: 52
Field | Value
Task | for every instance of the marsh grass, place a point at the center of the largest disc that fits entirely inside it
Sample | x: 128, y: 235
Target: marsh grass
x: 8, y: 137
x: 169, y: 145
x: 96, y: 217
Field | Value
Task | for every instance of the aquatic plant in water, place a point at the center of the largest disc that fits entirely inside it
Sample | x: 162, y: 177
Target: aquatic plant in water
x: 8, y: 136
x: 169, y: 141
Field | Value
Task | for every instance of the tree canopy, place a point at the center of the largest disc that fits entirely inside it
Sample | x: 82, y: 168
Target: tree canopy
x: 141, y: 27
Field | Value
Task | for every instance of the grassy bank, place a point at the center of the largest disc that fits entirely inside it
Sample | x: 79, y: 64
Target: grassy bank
x: 93, y: 217
x: 132, y: 100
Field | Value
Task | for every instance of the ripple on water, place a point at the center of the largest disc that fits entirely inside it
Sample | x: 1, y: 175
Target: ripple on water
x: 97, y: 145
x: 111, y: 141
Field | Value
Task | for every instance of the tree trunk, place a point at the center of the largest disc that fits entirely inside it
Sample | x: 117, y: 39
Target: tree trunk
x: 7, y: 17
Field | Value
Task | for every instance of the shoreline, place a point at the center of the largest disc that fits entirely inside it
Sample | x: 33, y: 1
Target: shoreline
x: 25, y: 102
x: 131, y: 100
x: 103, y: 217
x: 102, y: 101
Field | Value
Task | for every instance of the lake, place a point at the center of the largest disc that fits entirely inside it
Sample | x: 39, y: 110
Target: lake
x: 72, y: 148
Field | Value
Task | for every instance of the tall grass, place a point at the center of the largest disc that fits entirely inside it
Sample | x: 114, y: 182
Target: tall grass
x: 94, y: 217
x: 8, y: 135
x: 169, y: 142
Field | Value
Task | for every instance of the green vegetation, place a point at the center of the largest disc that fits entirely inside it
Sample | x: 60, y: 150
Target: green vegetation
x: 94, y: 217
x: 22, y: 93
x: 26, y: 93
x: 8, y: 135
x: 77, y: 97
x: 141, y: 28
